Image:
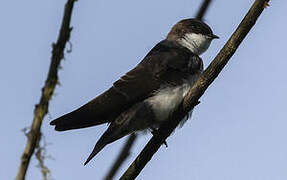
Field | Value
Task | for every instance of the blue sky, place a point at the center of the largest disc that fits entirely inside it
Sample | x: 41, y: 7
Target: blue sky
x: 237, y: 132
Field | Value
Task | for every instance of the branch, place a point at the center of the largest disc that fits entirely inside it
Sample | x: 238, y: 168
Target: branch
x: 203, y: 8
x: 122, y: 157
x: 41, y: 109
x: 197, y: 90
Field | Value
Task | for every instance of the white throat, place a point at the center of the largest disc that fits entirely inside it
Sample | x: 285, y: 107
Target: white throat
x: 196, y: 43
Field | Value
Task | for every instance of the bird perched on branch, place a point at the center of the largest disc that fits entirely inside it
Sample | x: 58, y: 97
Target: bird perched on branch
x: 148, y: 94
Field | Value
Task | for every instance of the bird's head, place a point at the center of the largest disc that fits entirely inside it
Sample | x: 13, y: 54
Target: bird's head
x: 192, y: 34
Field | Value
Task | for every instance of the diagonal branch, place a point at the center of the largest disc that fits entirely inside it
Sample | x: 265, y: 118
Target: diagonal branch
x: 41, y: 109
x: 197, y: 90
x: 203, y: 8
x: 125, y: 152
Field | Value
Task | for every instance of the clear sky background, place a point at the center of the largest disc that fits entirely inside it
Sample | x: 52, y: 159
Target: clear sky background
x: 237, y: 132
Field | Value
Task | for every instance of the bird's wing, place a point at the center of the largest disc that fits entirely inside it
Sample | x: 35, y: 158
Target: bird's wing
x: 162, y: 65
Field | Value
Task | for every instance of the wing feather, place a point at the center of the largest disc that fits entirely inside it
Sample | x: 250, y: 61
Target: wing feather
x: 166, y: 63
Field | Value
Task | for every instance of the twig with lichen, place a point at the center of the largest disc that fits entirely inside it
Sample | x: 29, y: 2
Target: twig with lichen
x: 41, y: 108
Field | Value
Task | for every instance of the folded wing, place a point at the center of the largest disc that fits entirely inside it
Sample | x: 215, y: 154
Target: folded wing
x: 162, y: 65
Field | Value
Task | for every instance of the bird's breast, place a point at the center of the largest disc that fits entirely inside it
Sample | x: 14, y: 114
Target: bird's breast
x: 166, y: 99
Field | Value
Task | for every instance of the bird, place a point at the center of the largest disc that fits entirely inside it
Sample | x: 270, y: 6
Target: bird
x: 148, y: 94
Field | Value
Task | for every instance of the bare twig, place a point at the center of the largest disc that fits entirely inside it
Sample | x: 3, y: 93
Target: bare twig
x: 41, y: 109
x: 125, y: 152
x: 203, y: 8
x: 197, y: 90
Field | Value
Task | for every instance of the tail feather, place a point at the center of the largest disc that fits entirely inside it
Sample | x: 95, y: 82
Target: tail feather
x: 128, y: 122
x: 113, y: 133
x: 110, y: 135
x: 98, y: 147
x: 100, y: 110
x: 80, y: 118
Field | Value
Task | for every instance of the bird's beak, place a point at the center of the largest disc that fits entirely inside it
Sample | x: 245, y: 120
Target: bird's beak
x: 213, y: 36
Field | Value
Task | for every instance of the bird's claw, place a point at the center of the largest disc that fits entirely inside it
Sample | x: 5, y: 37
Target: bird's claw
x: 266, y: 4
x: 197, y: 103
x: 154, y: 132
x: 165, y: 143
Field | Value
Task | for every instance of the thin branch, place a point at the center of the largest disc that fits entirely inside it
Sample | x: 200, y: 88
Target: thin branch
x: 197, y: 90
x: 203, y: 8
x: 41, y: 109
x: 125, y: 152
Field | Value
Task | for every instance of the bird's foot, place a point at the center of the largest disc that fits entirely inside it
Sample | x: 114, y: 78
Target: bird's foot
x: 266, y: 4
x: 154, y: 131
x: 197, y: 103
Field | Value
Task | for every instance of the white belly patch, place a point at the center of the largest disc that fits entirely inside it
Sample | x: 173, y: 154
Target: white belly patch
x: 166, y: 100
